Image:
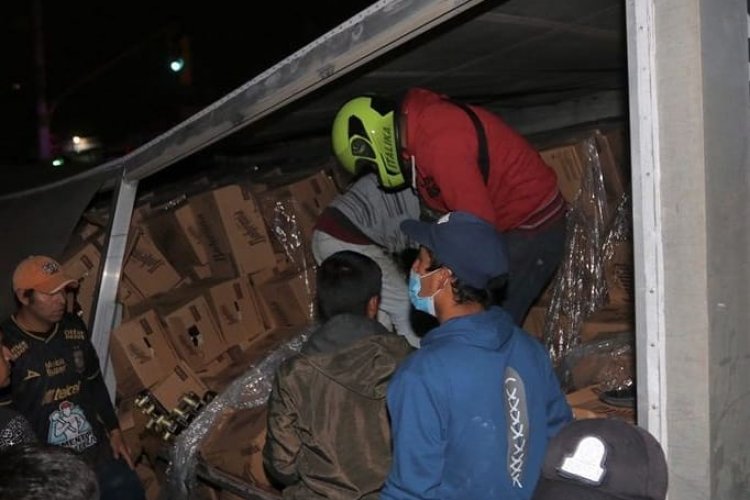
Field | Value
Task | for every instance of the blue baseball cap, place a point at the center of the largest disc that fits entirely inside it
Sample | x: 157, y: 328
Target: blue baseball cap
x: 471, y: 247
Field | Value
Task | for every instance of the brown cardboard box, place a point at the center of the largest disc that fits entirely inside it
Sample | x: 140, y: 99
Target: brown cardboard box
x: 607, y: 321
x: 85, y: 232
x: 84, y: 266
x: 235, y: 446
x: 610, y: 145
x: 133, y: 424
x: 174, y: 233
x: 193, y: 333
x: 306, y: 198
x: 570, y: 161
x: 235, y: 309
x: 312, y: 195
x: 587, y: 402
x: 283, y: 267
x: 618, y: 272
x: 534, y: 322
x: 287, y: 300
x: 182, y: 380
x: 268, y: 342
x: 605, y: 366
x: 238, y: 359
x: 217, y: 374
x: 245, y: 229
x: 141, y: 354
x: 207, y: 235
x: 128, y: 294
x: 148, y: 479
x: 147, y: 270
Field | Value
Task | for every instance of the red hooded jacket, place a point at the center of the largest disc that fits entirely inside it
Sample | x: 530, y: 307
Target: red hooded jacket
x: 521, y: 191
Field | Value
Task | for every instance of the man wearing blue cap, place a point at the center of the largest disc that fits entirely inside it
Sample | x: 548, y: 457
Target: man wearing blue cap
x: 473, y: 410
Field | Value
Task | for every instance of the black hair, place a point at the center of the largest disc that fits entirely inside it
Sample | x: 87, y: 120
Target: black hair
x: 346, y: 281
x: 36, y: 472
x: 492, y: 294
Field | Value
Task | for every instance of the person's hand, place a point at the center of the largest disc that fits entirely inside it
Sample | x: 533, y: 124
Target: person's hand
x: 119, y: 448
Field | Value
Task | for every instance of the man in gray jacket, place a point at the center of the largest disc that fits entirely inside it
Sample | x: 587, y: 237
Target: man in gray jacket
x: 328, y: 434
x: 365, y: 219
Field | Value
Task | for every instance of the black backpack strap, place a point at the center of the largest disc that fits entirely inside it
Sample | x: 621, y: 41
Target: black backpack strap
x: 483, y: 156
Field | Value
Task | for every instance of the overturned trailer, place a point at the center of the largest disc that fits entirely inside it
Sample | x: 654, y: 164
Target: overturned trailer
x: 543, y: 65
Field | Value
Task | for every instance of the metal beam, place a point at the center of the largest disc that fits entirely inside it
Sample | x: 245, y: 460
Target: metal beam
x: 109, y: 279
x: 648, y: 251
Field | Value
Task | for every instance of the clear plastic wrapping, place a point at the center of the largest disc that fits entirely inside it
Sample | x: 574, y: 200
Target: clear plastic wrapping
x: 579, y: 287
x: 608, y: 363
x: 250, y: 390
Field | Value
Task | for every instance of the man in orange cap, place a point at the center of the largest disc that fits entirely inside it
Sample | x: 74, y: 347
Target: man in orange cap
x: 56, y: 381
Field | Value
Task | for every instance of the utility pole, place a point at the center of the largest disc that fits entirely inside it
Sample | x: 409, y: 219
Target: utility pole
x: 42, y: 113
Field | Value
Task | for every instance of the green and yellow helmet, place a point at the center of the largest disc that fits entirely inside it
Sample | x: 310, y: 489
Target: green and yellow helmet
x: 365, y: 136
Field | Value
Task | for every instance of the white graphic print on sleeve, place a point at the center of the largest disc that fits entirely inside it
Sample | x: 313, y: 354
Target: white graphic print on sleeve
x: 518, y: 425
x: 69, y: 428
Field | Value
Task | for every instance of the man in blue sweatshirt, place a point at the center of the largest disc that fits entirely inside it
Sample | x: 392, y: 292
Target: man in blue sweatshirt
x: 473, y: 410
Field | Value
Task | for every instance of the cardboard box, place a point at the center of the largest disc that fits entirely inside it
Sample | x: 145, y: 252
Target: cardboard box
x: 132, y: 424
x: 235, y: 309
x: 207, y: 235
x: 304, y: 200
x: 571, y: 160
x: 610, y: 320
x: 148, y: 270
x: 244, y: 227
x: 609, y: 366
x: 141, y: 354
x: 182, y: 380
x: 535, y: 320
x: 610, y: 145
x: 235, y: 445
x: 84, y: 266
x: 148, y: 479
x: 217, y: 375
x: 193, y: 333
x: 268, y: 342
x: 239, y: 359
x: 174, y: 233
x: 568, y: 162
x: 587, y: 403
x: 287, y: 300
x: 618, y: 273
x: 127, y: 293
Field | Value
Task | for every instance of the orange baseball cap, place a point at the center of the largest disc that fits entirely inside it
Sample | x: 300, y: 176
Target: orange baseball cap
x: 43, y: 274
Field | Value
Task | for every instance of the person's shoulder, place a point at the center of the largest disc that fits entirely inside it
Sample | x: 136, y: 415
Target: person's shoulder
x: 293, y: 367
x: 431, y: 358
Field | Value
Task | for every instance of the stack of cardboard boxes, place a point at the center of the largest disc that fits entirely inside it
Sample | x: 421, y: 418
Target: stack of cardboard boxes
x: 207, y: 285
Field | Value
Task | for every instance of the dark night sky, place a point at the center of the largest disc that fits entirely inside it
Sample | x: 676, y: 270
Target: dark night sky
x: 108, y: 61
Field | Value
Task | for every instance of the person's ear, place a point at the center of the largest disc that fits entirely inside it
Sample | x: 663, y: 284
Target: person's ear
x: 446, y: 278
x: 22, y: 298
x: 373, y: 304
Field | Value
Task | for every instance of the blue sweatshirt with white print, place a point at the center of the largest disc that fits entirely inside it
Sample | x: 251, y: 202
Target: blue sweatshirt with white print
x: 472, y: 412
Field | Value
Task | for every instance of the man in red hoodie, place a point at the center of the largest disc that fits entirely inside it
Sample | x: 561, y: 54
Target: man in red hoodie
x: 460, y: 157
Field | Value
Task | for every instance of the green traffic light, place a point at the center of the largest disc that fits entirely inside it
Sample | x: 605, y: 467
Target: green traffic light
x: 177, y: 64
x: 58, y: 162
